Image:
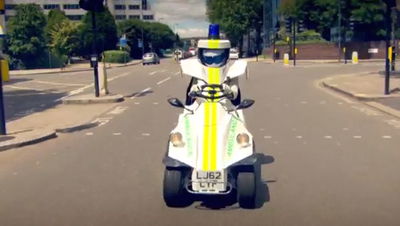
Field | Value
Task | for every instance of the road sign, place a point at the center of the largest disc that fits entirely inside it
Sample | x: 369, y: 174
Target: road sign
x: 123, y: 42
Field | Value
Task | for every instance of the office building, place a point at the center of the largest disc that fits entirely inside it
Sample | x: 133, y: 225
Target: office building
x: 121, y: 9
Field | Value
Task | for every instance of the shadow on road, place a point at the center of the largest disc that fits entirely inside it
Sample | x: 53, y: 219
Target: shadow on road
x: 16, y: 80
x: 229, y: 202
x: 139, y: 94
x: 20, y: 103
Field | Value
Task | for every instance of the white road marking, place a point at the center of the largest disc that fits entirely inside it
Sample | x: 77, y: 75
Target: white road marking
x: 57, y: 83
x: 117, y: 134
x: 162, y: 81
x: 304, y: 102
x: 80, y: 90
x: 387, y: 137
x: 177, y: 73
x: 367, y: 111
x: 24, y: 88
x: 345, y: 129
x: 37, y: 163
x: 145, y: 134
x: 393, y: 122
x: 118, y: 76
x: 357, y: 137
x: 328, y: 137
x: 267, y: 137
x: 262, y: 129
x: 340, y: 103
x: 153, y: 72
x: 118, y: 110
x: 137, y: 103
x: 322, y: 102
x: 141, y: 92
x: 155, y: 103
x: 102, y: 121
x: 89, y: 134
x: 299, y: 137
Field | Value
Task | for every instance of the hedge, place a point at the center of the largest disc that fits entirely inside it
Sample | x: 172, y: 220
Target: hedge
x: 116, y: 56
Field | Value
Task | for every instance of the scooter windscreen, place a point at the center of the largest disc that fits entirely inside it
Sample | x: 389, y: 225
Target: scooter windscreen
x: 213, y: 57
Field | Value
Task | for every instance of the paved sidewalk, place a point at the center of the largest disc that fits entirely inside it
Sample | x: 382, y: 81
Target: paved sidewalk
x: 69, y: 68
x: 45, y: 125
x: 368, y: 87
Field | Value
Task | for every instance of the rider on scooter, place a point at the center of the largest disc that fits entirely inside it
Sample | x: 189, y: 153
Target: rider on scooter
x: 214, y: 53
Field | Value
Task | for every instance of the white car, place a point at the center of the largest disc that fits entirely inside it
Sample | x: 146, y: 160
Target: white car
x: 233, y: 54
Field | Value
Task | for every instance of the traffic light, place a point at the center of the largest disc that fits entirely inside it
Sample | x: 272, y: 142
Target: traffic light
x: 351, y: 24
x: 92, y: 5
x: 288, y: 25
x: 300, y: 27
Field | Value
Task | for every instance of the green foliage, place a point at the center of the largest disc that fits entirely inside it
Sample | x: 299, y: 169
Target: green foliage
x: 322, y: 15
x: 64, y: 38
x: 26, y: 40
x: 116, y: 56
x: 156, y: 36
x: 54, y: 18
x: 106, y: 35
x: 235, y: 17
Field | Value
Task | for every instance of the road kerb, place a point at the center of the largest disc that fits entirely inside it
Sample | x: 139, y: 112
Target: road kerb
x: 91, y: 99
x: 27, y: 138
x: 384, y: 108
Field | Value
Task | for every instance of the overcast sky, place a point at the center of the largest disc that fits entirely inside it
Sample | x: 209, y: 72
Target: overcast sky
x: 188, y: 17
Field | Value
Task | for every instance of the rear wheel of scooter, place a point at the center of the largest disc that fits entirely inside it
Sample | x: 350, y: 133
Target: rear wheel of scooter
x: 174, y: 191
x: 246, y: 190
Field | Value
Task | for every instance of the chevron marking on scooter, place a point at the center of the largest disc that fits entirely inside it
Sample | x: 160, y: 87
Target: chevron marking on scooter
x: 210, y: 125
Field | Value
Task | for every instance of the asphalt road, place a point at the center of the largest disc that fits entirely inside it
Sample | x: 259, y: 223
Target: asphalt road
x: 336, y: 161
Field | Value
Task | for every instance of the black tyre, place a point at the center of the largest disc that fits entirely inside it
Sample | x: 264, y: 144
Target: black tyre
x: 246, y: 189
x: 175, y: 194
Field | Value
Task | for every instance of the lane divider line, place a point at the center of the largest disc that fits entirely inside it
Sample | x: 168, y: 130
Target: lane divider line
x: 162, y: 81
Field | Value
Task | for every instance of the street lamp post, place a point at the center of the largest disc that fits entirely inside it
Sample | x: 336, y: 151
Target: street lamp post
x: 94, y: 58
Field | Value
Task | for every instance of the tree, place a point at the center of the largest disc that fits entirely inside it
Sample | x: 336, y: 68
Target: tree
x: 236, y: 17
x: 106, y: 33
x: 156, y: 36
x: 55, y: 17
x: 64, y: 38
x: 322, y: 15
x: 26, y: 41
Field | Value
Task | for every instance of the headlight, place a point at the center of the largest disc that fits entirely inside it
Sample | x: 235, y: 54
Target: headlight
x: 176, y: 139
x: 243, y: 140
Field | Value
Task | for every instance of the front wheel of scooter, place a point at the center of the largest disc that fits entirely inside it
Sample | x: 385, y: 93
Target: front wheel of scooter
x: 246, y: 189
x: 174, y: 191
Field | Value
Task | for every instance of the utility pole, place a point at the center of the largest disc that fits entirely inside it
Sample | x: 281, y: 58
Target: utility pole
x: 388, y: 23
x: 340, y: 29
x: 294, y: 21
x: 94, y: 58
x: 94, y: 6
x: 3, y: 130
x: 142, y: 19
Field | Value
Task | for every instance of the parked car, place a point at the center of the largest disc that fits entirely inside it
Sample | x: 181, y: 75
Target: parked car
x: 233, y: 54
x: 151, y: 58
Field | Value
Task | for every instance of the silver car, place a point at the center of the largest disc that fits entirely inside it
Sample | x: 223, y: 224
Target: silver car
x: 151, y: 58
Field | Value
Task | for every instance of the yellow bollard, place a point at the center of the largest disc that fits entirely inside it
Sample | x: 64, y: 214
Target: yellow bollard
x: 354, y: 57
x: 390, y: 52
x: 286, y: 59
x: 5, y: 72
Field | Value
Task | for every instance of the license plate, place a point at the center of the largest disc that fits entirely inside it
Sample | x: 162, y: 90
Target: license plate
x: 209, y: 181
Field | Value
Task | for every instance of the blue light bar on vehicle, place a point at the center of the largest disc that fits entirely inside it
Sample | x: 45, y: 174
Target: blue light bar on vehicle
x: 213, y: 31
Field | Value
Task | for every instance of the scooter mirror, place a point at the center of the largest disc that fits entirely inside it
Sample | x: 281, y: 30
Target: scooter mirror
x: 176, y: 102
x: 246, y: 103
